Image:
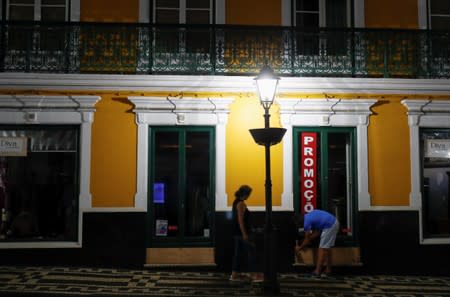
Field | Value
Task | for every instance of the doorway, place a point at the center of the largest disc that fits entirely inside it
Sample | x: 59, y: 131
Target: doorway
x: 181, y: 195
x: 324, y: 175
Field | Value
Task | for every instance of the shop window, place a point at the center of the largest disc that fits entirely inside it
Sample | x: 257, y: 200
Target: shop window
x: 39, y: 183
x: 430, y: 167
x: 435, y: 156
x: 45, y: 144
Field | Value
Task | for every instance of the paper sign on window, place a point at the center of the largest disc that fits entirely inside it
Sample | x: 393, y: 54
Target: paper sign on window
x: 13, y: 146
x: 161, y: 227
x: 437, y: 148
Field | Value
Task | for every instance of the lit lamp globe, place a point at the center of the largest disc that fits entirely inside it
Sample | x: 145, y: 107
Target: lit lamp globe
x: 266, y: 85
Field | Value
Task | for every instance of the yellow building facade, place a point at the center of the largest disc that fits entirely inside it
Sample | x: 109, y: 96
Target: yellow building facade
x: 372, y: 128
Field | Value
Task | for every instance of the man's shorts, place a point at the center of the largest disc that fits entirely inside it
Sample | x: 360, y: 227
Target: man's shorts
x: 328, y: 236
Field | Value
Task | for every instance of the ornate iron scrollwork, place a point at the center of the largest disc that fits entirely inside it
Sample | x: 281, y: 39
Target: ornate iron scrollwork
x: 223, y: 50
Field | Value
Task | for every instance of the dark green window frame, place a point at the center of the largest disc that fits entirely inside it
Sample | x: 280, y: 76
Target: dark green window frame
x: 181, y: 239
x: 342, y: 240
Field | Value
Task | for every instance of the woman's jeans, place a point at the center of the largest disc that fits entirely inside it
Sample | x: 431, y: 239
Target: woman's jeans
x: 240, y: 247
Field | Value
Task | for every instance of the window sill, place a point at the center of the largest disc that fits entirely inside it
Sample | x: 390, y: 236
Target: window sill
x: 47, y: 244
x: 435, y: 241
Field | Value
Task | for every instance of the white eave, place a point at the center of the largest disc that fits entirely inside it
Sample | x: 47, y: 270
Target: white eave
x: 218, y: 83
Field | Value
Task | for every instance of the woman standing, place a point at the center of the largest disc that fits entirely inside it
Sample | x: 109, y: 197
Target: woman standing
x: 241, y: 229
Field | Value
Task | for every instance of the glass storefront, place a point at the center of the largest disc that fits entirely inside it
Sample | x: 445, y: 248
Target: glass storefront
x: 39, y: 183
x: 435, y: 144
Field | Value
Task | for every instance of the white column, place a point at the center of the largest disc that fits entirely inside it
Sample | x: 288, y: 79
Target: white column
x: 221, y: 195
x: 415, y: 196
x: 140, y: 198
x: 364, y: 200
x: 287, y: 197
x: 85, y: 160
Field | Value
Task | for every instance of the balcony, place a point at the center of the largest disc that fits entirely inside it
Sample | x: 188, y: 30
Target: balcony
x: 222, y: 50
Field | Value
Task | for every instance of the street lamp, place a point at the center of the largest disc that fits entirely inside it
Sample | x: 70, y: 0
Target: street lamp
x: 267, y: 83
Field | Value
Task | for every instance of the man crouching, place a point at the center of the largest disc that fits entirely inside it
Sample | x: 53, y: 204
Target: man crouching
x: 319, y: 223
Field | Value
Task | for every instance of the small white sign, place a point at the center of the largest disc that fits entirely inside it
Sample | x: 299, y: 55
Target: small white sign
x: 437, y: 148
x: 13, y: 146
x: 161, y: 227
x: 205, y: 232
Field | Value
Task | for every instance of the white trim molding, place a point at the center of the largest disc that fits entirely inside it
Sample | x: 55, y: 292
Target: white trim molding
x: 75, y: 11
x: 55, y: 110
x: 180, y: 111
x: 220, y: 12
x: 286, y: 15
x: 423, y: 113
x: 326, y: 112
x: 359, y: 14
x: 218, y: 83
x: 144, y: 11
x: 422, y: 14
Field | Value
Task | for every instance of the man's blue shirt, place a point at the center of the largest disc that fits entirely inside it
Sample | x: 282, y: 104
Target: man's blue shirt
x: 318, y: 220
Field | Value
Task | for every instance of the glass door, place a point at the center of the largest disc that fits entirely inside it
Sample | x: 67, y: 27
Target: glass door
x: 181, y: 187
x: 324, y: 171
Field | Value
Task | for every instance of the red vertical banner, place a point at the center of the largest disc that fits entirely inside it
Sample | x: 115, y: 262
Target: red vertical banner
x: 308, y: 172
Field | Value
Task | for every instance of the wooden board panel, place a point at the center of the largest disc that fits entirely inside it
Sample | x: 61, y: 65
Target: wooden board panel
x: 341, y: 256
x: 180, y: 256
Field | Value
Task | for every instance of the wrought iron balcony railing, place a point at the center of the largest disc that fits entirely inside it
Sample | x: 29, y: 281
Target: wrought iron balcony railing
x: 222, y: 50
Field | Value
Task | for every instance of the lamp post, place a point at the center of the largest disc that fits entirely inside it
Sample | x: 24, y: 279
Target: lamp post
x: 267, y: 84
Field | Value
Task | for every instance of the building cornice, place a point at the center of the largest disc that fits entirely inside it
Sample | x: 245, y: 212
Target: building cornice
x: 216, y: 83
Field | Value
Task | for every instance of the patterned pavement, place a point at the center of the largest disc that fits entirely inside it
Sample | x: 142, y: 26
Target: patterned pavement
x: 73, y: 281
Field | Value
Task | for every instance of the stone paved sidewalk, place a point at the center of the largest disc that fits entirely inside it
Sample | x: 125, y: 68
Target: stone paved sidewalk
x: 72, y: 281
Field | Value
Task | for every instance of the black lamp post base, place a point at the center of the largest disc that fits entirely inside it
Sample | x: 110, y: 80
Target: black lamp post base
x: 270, y: 286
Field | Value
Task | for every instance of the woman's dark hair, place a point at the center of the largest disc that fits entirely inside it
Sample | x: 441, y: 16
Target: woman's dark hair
x: 243, y: 192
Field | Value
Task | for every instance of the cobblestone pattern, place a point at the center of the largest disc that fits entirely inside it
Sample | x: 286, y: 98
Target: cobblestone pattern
x: 65, y: 281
